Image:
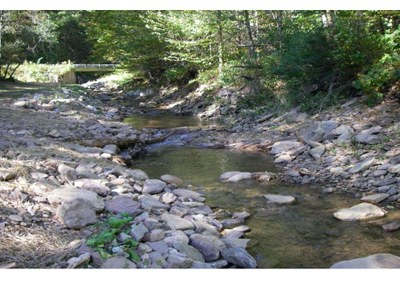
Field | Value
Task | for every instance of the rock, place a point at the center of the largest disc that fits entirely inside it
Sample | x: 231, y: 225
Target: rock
x: 111, y: 149
x: 238, y: 177
x: 368, y: 139
x: 65, y: 194
x: 231, y: 223
x: 123, y: 204
x: 317, y: 152
x: 376, y: 261
x: 156, y: 235
x: 363, y: 211
x: 394, y: 169
x: 153, y: 186
x: 159, y: 246
x: 176, y: 236
x: 6, y: 175
x: 362, y: 166
x: 241, y: 215
x: 209, y: 246
x: 171, y: 179
x: 15, y: 218
x: 392, y: 226
x: 231, y: 242
x: 189, y: 251
x: 178, y: 260
x: 188, y: 194
x: 149, y: 203
x: 284, y: 158
x: 279, y: 199
x: 138, y: 231
x: 94, y: 185
x: 296, y: 117
x: 137, y: 174
x: 118, y: 263
x: 64, y: 169
x: 22, y: 104
x: 319, y: 131
x: 375, y: 198
x: 75, y: 262
x: 240, y: 257
x: 344, y: 133
x: 336, y: 170
x: 76, y: 213
x: 176, y: 223
x: 168, y: 198
x: 285, y: 146
x: 227, y: 175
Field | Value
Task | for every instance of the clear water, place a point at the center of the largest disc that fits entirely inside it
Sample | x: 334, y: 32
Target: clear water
x: 302, y: 235
x: 163, y: 120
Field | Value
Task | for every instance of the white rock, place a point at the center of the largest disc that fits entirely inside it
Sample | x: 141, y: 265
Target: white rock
x: 65, y: 194
x: 284, y: 158
x: 363, y: 211
x: 284, y: 146
x: 376, y: 261
x: 280, y: 199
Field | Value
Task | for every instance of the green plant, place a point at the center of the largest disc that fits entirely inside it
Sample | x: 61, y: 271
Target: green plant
x: 104, y: 241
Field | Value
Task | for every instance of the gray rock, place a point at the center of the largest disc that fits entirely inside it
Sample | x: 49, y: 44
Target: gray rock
x: 363, y: 211
x: 168, y: 198
x: 385, y: 182
x: 189, y: 251
x: 362, y: 166
x: 375, y: 198
x: 394, y: 169
x: 123, y: 204
x: 336, y: 170
x: 178, y: 260
x: 319, y: 131
x: 138, y: 231
x: 317, y: 152
x: 111, y: 149
x: 149, y: 203
x: 344, y: 133
x: 392, y: 226
x: 368, y: 139
x: 231, y: 223
x: 296, y: 117
x: 94, y: 185
x: 75, y: 262
x: 64, y: 169
x: 6, y: 175
x: 209, y: 246
x: 153, y: 186
x: 241, y: 215
x: 65, y: 194
x: 156, y: 235
x: 240, y: 257
x: 231, y: 242
x: 176, y: 223
x: 284, y: 146
x: 176, y: 236
x: 118, y: 263
x: 279, y: 199
x: 137, y: 174
x: 76, y: 213
x: 188, y: 194
x: 171, y: 179
x: 15, y: 218
x: 227, y: 175
x: 376, y: 261
x: 159, y: 246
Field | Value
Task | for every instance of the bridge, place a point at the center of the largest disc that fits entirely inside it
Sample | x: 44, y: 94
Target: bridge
x: 70, y: 75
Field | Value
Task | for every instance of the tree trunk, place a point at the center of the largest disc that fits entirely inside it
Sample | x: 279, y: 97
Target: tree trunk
x: 220, y: 43
x: 252, y: 50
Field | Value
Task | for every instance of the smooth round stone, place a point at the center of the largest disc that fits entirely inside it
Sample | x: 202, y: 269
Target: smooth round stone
x: 153, y: 186
x: 279, y: 199
x: 376, y: 261
x: 363, y: 211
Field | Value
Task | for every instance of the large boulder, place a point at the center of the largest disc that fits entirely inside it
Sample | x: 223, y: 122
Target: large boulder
x: 61, y: 195
x: 76, y: 213
x: 189, y: 251
x: 376, y: 261
x: 363, y: 211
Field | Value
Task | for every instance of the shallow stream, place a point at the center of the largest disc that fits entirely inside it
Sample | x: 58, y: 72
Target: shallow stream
x: 301, y: 235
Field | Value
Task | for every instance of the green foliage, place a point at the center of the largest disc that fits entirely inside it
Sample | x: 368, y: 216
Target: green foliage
x: 108, y: 237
